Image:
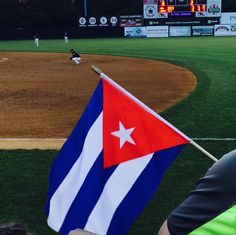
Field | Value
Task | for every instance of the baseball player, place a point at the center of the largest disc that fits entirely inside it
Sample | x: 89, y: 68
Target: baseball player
x: 75, y: 57
x: 36, y: 40
x: 66, y: 38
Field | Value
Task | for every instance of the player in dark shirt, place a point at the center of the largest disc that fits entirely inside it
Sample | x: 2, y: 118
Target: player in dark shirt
x: 75, y: 57
x: 210, y: 209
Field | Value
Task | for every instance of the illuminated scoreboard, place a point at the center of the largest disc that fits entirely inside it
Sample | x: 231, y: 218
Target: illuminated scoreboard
x: 182, y: 6
x: 177, y: 12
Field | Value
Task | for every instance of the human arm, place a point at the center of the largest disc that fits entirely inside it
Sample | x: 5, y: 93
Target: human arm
x: 80, y: 232
x: 209, y: 204
x: 164, y: 229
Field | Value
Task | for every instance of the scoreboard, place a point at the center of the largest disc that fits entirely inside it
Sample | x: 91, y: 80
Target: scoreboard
x: 177, y: 12
x: 182, y: 6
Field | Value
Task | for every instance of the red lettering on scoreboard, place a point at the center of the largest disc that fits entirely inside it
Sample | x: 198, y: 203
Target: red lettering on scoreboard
x: 203, y: 7
x: 191, y: 7
x: 170, y: 9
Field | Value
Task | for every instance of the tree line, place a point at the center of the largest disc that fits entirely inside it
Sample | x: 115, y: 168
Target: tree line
x: 64, y: 13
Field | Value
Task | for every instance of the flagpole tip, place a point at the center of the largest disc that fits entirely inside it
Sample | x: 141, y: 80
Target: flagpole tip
x: 96, y: 69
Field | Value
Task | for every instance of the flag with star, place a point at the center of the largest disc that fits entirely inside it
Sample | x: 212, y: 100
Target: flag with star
x: 111, y: 164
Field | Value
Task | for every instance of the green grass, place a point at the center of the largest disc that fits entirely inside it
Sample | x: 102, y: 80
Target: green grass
x: 23, y: 180
x: 209, y: 111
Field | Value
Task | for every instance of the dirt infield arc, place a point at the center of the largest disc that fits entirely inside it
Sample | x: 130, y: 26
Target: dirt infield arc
x: 43, y: 94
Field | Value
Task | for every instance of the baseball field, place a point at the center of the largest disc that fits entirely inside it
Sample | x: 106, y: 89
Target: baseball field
x: 43, y: 94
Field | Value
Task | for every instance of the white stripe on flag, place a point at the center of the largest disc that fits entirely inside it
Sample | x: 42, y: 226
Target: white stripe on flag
x: 116, y: 188
x: 65, y: 194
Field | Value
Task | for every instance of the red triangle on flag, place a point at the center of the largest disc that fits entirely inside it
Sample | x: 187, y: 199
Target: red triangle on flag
x: 129, y: 130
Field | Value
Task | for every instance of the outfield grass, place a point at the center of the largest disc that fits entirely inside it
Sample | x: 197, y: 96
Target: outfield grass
x: 208, y: 112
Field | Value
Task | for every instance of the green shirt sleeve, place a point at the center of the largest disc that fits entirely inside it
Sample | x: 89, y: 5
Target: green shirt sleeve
x: 225, y: 223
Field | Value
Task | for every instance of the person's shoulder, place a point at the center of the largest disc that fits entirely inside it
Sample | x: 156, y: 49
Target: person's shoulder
x: 226, y: 165
x: 214, y: 193
x: 220, y: 177
x: 229, y: 157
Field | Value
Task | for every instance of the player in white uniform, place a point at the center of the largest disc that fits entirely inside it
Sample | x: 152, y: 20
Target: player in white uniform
x: 66, y: 38
x: 36, y: 40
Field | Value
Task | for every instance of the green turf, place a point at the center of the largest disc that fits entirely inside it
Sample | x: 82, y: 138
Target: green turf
x: 23, y: 192
x: 208, y: 112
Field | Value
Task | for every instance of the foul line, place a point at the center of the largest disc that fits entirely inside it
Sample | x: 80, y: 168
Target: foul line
x: 57, y: 143
x: 31, y: 143
x: 214, y: 139
x: 64, y: 139
x: 32, y: 139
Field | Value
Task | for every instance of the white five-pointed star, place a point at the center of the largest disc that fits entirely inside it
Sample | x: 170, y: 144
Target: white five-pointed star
x: 124, y: 135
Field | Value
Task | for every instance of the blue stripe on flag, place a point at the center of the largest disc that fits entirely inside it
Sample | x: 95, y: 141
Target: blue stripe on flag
x: 142, y: 191
x: 87, y: 197
x: 74, y: 144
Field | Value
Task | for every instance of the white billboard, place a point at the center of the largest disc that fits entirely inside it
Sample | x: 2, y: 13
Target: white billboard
x: 180, y: 31
x: 225, y: 30
x: 157, y: 31
x: 228, y: 18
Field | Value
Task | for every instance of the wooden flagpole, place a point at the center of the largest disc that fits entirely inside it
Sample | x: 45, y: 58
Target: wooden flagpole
x: 98, y: 71
x: 203, y: 151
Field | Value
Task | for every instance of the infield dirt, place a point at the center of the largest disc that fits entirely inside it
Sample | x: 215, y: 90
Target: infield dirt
x: 43, y: 95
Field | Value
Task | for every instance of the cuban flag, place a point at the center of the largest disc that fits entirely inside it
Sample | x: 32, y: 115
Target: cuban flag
x: 111, y: 164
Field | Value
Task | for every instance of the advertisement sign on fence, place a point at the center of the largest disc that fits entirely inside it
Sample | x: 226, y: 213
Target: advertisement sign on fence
x: 130, y: 21
x: 202, y: 30
x: 228, y: 18
x: 225, y: 30
x: 180, y: 31
x: 135, y: 32
x: 157, y: 31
